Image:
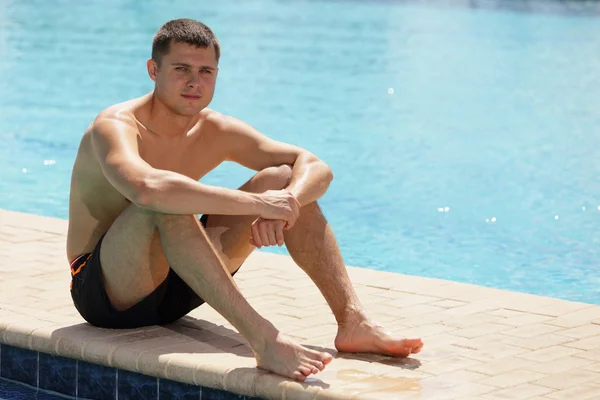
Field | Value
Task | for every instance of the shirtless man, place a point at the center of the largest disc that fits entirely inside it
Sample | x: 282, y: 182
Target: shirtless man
x: 139, y: 255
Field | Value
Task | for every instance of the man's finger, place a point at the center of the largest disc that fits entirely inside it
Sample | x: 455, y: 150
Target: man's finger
x: 279, y: 233
x: 256, y: 236
x: 262, y: 229
x: 271, y: 233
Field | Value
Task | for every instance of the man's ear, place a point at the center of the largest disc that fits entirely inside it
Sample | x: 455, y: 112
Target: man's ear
x: 152, y: 69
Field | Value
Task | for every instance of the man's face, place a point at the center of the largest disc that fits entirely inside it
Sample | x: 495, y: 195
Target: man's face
x: 185, y: 80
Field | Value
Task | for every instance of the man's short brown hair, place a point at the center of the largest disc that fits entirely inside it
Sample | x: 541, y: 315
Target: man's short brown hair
x: 183, y: 30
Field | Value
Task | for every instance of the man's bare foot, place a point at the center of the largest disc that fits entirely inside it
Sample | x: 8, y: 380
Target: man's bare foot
x: 359, y: 335
x: 284, y: 357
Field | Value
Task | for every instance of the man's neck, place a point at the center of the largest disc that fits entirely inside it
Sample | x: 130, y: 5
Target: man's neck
x: 164, y: 122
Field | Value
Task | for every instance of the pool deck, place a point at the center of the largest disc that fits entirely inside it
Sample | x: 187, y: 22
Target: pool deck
x: 480, y: 343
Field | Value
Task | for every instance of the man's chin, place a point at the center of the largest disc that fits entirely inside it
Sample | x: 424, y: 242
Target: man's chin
x: 189, y: 111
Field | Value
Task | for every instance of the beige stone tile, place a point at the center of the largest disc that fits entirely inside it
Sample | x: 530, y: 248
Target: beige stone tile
x: 402, y: 300
x: 549, y: 354
x: 104, y: 348
x: 525, y: 302
x: 409, y: 284
x: 452, y: 379
x: 418, y: 310
x: 542, y: 341
x: 18, y: 334
x: 404, y: 390
x: 583, y: 392
x: 45, y: 339
x: 562, y: 308
x: 444, y: 339
x: 72, y: 340
x: 490, y: 353
x: 577, y: 318
x: 426, y: 331
x: 503, y: 312
x: 562, y: 365
x: 567, y: 379
x: 418, y: 320
x: 468, y: 321
x: 532, y: 330
x: 526, y: 319
x: 440, y: 352
x: 582, y: 332
x: 302, y: 390
x: 502, y: 365
x: 589, y: 343
x: 470, y: 309
x: 448, y: 303
x: 465, y: 292
x: 269, y: 386
x: 523, y: 391
x: 449, y: 364
x: 512, y: 378
x: 470, y: 389
x: 593, y: 355
x: 594, y: 366
x: 377, y: 383
x: 481, y: 330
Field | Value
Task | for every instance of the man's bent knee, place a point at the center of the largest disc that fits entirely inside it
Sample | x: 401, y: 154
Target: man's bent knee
x: 272, y: 178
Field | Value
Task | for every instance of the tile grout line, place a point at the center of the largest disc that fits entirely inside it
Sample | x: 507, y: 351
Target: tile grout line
x: 76, y: 379
x: 157, y: 388
x: 37, y: 384
x: 117, y: 384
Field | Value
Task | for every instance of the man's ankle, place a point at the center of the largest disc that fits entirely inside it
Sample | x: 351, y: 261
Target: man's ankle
x: 351, y: 315
x: 262, y: 336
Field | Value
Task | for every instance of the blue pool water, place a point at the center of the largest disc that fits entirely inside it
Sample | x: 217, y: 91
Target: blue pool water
x: 464, y: 141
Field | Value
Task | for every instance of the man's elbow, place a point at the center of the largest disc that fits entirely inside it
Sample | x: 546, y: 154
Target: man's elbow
x: 143, y: 194
x: 328, y: 175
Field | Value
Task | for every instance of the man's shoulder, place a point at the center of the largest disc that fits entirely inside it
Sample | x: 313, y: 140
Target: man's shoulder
x: 224, y: 124
x: 118, y: 116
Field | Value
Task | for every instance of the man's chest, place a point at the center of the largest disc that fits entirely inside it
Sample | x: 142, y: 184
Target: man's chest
x: 192, y: 158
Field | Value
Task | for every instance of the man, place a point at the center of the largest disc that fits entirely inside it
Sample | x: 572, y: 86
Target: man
x: 138, y: 254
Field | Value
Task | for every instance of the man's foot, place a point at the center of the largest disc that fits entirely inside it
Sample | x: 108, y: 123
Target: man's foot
x: 359, y: 335
x: 285, y: 357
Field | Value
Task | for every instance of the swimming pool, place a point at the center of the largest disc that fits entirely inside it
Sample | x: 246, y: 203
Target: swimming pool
x: 464, y: 141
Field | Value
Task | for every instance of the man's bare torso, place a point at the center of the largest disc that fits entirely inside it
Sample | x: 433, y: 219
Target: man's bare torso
x: 95, y: 203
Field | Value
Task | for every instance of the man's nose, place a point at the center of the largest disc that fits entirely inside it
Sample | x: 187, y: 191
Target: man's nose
x: 194, y: 80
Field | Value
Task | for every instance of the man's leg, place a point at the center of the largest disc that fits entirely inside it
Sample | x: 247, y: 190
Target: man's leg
x: 230, y: 234
x: 313, y: 246
x: 136, y: 254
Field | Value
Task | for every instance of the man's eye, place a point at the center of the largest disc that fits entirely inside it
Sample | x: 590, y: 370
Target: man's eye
x: 180, y: 68
x: 206, y: 71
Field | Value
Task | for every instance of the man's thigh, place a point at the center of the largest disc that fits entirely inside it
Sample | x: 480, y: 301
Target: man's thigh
x: 132, y: 260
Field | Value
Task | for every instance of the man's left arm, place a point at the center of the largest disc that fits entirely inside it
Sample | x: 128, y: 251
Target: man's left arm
x: 248, y: 147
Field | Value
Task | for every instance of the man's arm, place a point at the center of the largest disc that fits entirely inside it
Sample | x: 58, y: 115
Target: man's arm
x: 310, y: 176
x: 115, y: 146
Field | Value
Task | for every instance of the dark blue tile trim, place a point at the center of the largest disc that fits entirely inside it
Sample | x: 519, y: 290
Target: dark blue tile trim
x: 71, y: 377
x: 57, y: 374
x: 19, y: 365
x: 216, y: 394
x: 96, y: 381
x: 171, y: 390
x: 136, y: 386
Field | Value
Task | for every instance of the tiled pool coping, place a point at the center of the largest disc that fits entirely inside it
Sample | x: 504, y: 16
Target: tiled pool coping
x: 481, y: 343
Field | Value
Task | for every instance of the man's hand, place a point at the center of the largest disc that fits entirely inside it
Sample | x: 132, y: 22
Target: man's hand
x: 279, y: 205
x: 267, y: 232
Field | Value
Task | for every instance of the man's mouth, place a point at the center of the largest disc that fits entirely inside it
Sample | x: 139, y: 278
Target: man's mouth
x: 191, y: 96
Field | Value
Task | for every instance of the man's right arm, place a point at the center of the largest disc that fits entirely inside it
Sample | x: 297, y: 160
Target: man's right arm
x: 115, y: 146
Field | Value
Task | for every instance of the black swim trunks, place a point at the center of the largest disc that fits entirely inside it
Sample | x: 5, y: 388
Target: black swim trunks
x: 170, y: 301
